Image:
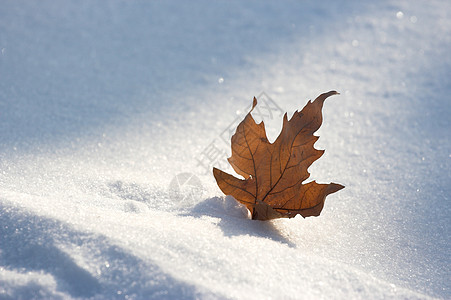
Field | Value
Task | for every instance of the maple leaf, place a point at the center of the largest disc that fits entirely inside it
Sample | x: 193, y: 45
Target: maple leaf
x: 274, y: 172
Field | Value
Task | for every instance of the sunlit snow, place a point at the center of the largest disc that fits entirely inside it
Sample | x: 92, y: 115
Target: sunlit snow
x: 113, y: 113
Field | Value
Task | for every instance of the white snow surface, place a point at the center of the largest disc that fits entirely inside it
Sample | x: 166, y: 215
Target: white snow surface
x: 103, y: 103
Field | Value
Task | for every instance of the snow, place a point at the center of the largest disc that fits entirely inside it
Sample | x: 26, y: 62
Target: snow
x: 103, y: 104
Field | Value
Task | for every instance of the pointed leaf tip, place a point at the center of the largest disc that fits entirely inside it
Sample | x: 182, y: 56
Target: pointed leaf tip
x: 330, y: 93
x: 335, y: 187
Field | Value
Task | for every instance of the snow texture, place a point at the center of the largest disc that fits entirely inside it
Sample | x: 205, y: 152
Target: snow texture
x: 106, y: 109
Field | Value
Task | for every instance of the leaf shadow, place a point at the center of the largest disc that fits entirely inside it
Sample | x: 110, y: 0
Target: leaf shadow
x: 235, y: 219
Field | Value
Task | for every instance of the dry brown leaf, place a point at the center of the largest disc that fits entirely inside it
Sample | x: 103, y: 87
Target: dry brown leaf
x: 273, y: 172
